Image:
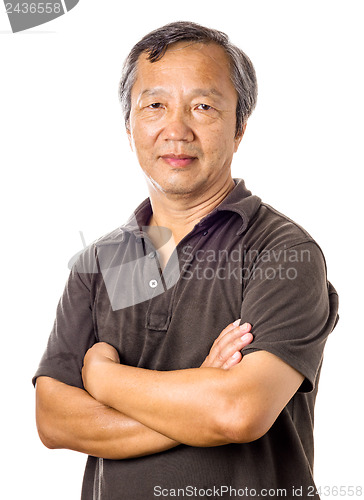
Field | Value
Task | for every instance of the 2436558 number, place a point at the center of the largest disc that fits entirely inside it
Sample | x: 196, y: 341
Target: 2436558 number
x: 34, y: 8
x: 335, y: 491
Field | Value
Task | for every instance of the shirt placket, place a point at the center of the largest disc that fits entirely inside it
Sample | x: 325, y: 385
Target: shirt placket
x: 161, y: 306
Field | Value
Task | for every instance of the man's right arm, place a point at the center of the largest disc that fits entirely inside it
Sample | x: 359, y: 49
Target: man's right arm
x: 68, y: 417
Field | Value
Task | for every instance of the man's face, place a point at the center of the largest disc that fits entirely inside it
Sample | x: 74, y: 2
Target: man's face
x: 183, y: 119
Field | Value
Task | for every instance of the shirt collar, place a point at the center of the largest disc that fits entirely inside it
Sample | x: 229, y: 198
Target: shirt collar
x: 240, y: 200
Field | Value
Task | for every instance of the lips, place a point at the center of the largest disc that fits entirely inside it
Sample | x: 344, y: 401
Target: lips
x: 178, y: 161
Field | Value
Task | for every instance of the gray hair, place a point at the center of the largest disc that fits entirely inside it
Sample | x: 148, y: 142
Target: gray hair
x: 155, y: 44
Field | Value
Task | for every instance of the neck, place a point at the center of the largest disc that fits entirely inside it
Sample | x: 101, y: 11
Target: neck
x: 181, y: 214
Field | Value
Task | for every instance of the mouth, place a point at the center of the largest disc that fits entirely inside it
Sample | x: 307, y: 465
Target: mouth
x: 178, y: 161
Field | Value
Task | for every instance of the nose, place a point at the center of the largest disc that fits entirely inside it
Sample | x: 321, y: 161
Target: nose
x: 177, y: 126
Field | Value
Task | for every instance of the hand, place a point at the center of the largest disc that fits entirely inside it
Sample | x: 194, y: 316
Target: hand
x: 95, y: 358
x: 225, y: 351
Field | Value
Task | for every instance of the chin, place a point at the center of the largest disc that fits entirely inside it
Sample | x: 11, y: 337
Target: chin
x: 178, y: 185
x: 179, y: 188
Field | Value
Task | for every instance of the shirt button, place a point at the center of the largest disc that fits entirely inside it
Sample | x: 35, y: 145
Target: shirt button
x: 153, y: 283
x: 151, y: 255
x: 205, y: 232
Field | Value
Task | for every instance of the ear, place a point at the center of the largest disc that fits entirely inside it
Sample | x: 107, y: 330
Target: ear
x: 130, y: 139
x: 238, y: 138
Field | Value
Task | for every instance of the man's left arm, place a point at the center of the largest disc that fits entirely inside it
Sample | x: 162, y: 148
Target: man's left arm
x: 200, y: 406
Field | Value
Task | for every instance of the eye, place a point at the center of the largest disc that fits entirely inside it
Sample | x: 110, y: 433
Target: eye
x: 155, y: 105
x: 204, y: 107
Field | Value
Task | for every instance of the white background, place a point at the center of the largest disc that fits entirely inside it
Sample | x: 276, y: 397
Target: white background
x: 66, y: 167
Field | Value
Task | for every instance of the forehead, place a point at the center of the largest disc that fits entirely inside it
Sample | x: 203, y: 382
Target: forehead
x: 185, y: 64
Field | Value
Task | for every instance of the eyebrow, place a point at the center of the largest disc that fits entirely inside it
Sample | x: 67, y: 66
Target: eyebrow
x: 153, y: 91
x: 206, y: 92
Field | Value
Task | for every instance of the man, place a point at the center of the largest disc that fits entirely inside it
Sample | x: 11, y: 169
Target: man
x: 136, y: 373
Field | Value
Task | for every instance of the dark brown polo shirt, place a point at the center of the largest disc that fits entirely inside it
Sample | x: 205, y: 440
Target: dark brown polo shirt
x: 244, y: 260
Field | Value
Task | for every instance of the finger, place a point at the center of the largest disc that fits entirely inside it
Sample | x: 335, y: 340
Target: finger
x: 233, y: 360
x: 229, y: 336
x: 226, y: 330
x: 218, y: 357
x: 219, y: 353
x: 236, y: 344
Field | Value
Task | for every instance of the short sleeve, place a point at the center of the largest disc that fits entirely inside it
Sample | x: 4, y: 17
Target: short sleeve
x: 72, y: 334
x: 291, y: 306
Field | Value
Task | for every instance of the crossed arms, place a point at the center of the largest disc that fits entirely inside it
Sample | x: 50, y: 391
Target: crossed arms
x: 129, y: 412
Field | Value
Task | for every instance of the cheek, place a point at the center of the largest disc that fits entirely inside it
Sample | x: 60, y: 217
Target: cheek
x: 218, y: 144
x: 144, y: 146
x: 142, y: 133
